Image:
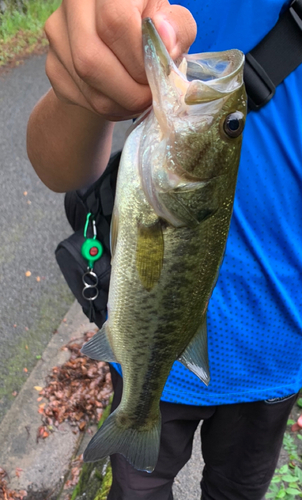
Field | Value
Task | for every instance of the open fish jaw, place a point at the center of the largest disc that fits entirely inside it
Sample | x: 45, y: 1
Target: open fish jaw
x: 184, y: 139
x: 172, y: 212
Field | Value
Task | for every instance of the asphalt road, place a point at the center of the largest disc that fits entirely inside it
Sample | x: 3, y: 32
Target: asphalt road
x: 32, y: 222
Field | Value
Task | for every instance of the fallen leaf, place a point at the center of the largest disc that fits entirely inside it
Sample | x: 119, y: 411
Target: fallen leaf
x: 76, y: 466
x: 25, y: 370
x: 39, y: 398
x: 27, y: 274
x: 38, y: 278
x: 41, y: 432
x: 18, y: 471
x: 3, y: 473
x: 25, y: 193
x: 38, y: 388
x: 26, y: 347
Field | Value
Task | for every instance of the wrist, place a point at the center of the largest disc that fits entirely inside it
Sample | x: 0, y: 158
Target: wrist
x: 68, y: 145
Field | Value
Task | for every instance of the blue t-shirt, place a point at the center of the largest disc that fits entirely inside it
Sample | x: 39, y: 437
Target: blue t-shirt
x: 255, y: 313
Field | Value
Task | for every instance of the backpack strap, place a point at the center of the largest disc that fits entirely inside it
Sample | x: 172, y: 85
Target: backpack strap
x: 275, y: 57
x: 98, y: 200
x: 107, y: 180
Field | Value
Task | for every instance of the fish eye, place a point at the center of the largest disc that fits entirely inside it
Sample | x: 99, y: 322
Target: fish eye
x: 233, y: 124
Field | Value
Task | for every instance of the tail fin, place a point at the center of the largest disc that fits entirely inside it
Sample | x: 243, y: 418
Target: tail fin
x: 139, y: 447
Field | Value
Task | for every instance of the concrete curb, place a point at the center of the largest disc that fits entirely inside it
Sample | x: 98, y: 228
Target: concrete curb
x: 45, y: 464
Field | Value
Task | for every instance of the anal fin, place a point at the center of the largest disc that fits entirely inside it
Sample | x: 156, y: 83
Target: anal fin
x: 195, y: 357
x: 98, y: 347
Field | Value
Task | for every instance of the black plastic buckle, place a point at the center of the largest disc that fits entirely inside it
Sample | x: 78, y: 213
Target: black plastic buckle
x: 260, y: 88
x: 295, y: 10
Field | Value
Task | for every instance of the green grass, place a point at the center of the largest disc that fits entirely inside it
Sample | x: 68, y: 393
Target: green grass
x: 287, y: 480
x: 32, y: 20
x: 21, y: 32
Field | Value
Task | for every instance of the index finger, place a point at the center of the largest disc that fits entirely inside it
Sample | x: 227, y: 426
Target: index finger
x: 119, y: 25
x: 98, y: 68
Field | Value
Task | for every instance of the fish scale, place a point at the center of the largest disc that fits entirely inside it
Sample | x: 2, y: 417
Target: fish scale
x: 173, y: 206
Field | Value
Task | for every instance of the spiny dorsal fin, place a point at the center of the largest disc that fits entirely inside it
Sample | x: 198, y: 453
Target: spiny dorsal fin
x: 149, y: 254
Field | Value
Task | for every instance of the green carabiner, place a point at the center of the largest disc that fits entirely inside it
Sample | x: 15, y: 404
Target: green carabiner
x: 92, y: 249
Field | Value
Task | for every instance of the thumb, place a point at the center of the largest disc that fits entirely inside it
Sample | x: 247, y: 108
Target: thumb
x: 177, y: 28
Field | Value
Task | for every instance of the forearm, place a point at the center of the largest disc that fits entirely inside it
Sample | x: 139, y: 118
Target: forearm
x: 68, y: 145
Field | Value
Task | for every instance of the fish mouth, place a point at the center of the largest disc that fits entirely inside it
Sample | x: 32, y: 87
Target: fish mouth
x: 199, y: 78
x: 213, y: 75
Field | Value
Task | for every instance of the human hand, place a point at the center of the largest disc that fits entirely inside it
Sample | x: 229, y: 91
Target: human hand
x: 95, y: 58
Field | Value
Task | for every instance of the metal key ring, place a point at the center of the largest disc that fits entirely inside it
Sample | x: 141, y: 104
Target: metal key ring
x: 93, y: 297
x: 91, y: 275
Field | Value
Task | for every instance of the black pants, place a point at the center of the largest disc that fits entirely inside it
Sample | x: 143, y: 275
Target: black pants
x: 240, y: 447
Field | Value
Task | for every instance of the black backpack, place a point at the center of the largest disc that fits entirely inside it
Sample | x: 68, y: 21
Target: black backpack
x: 90, y: 210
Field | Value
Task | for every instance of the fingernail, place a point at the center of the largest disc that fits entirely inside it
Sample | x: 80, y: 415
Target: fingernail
x: 166, y: 32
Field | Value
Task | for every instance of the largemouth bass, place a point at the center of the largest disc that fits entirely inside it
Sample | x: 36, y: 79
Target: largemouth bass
x: 172, y: 212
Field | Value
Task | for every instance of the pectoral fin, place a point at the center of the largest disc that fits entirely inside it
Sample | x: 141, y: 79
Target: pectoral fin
x: 98, y: 347
x: 149, y: 254
x: 194, y: 202
x: 195, y: 357
x: 179, y: 208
